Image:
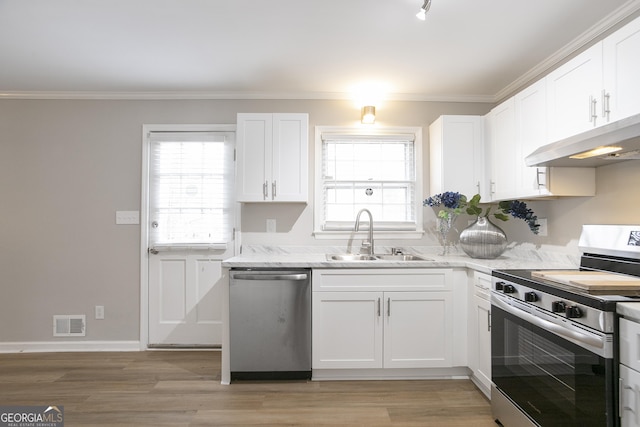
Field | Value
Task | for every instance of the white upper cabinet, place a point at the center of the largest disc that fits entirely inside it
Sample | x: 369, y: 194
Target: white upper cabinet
x: 621, y: 56
x: 272, y: 159
x: 516, y: 128
x: 504, y: 164
x: 597, y: 87
x: 456, y: 147
x: 573, y: 92
x: 531, y: 133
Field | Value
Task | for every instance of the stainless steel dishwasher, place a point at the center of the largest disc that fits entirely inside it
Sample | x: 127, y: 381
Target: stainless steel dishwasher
x: 270, y: 324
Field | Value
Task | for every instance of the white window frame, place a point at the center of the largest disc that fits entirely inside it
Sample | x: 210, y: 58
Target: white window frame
x: 318, y: 232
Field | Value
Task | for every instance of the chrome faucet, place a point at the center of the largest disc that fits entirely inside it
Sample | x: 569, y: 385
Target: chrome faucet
x: 367, y: 245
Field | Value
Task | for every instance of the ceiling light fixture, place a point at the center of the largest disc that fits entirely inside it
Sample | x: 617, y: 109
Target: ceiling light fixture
x: 368, y: 116
x: 422, y: 14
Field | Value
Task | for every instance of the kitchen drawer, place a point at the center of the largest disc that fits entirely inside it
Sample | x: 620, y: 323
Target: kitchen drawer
x: 383, y: 279
x: 630, y: 344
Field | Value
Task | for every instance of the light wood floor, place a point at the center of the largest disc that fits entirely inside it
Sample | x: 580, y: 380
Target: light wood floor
x: 182, y: 388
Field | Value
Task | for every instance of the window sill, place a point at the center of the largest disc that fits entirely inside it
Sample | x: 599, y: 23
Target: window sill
x: 385, y: 234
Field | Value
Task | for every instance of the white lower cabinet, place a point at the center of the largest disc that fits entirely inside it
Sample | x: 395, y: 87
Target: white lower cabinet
x: 480, y: 331
x: 381, y: 330
x: 383, y: 318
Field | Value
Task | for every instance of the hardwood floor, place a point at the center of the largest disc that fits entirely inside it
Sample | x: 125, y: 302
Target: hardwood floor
x: 182, y: 388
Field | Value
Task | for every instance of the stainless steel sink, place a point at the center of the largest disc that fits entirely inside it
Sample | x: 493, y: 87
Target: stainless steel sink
x: 357, y: 257
x: 351, y: 257
x: 402, y: 257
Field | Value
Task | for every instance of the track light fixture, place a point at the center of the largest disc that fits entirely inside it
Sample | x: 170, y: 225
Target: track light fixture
x: 422, y: 14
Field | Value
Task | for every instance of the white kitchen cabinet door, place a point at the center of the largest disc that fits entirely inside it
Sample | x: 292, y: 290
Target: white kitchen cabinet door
x: 621, y: 92
x: 272, y: 157
x: 418, y: 330
x: 254, y: 141
x: 456, y: 147
x: 629, y: 397
x: 573, y: 95
x: 347, y: 330
x: 482, y: 370
x: 531, y: 134
x: 503, y: 150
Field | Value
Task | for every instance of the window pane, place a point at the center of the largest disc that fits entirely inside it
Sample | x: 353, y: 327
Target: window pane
x: 377, y: 174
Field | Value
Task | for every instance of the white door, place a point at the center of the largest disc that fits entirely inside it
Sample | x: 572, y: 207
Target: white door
x: 190, y: 231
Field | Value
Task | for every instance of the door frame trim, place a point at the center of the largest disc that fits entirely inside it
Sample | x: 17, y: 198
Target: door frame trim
x: 144, y: 212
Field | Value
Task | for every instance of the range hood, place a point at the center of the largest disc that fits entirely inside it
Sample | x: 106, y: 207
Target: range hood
x: 624, y: 134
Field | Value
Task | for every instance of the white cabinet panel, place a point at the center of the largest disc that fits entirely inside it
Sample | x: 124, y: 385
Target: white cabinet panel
x: 272, y: 159
x: 347, y: 330
x: 573, y: 92
x: 374, y: 327
x: 418, y: 329
x: 621, y: 57
x: 503, y: 151
x: 456, y: 147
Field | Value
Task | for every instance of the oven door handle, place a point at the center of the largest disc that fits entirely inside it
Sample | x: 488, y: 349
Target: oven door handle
x: 590, y: 340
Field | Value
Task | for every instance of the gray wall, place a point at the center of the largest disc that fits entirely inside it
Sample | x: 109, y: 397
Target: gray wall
x: 66, y: 166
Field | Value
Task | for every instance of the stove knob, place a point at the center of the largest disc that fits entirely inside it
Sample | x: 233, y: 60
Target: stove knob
x: 499, y: 286
x: 558, y: 307
x: 509, y: 289
x: 531, y: 297
x: 573, y: 311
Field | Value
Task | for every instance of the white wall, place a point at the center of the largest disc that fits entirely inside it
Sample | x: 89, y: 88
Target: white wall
x: 66, y: 166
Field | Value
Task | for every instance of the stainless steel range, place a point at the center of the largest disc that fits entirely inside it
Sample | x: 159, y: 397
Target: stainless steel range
x: 554, y: 334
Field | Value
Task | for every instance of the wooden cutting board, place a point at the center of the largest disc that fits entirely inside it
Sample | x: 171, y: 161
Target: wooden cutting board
x: 590, y: 280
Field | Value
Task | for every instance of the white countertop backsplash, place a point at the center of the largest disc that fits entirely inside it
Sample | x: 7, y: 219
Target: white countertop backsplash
x: 265, y: 256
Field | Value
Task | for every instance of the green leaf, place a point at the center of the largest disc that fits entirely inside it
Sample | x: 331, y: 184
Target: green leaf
x: 501, y: 216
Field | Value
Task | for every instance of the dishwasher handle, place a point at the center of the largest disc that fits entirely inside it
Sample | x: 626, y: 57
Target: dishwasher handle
x: 269, y: 276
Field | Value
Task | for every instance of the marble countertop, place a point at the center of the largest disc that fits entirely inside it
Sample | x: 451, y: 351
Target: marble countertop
x: 316, y: 257
x: 630, y: 310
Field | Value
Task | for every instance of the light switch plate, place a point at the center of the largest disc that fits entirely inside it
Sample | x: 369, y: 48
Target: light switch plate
x: 127, y: 217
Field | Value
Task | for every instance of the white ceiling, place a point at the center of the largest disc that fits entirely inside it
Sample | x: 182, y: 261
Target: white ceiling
x: 465, y: 50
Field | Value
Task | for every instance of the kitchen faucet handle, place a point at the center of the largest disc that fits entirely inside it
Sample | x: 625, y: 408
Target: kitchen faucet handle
x: 396, y: 251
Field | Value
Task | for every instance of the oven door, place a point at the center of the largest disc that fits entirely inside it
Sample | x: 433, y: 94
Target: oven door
x: 550, y: 377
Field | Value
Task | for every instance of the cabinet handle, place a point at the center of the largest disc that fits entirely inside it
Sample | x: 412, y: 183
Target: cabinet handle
x: 492, y: 187
x: 541, y: 183
x: 488, y: 321
x: 478, y: 187
x: 265, y: 186
x: 592, y: 110
x: 605, y: 104
x: 273, y: 190
x: 388, y: 307
x: 378, y: 307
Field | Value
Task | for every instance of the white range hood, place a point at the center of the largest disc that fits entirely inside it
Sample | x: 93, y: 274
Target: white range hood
x: 624, y: 134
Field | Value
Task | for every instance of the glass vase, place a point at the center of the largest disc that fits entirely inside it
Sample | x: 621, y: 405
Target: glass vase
x: 444, y: 226
x: 483, y: 239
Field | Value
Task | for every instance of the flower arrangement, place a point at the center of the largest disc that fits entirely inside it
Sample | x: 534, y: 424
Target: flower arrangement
x: 515, y: 208
x: 456, y: 203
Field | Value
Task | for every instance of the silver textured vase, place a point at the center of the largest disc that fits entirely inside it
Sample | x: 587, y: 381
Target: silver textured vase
x: 483, y: 239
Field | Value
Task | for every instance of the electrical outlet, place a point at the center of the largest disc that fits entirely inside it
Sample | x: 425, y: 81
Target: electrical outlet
x: 100, y: 312
x: 127, y: 217
x: 271, y: 226
x: 543, y: 231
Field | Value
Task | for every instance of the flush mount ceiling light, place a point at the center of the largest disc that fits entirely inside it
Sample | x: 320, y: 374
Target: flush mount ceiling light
x: 422, y: 14
x: 368, y: 116
x: 600, y: 151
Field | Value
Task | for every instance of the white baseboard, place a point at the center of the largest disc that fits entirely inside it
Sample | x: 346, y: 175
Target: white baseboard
x: 68, y: 346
